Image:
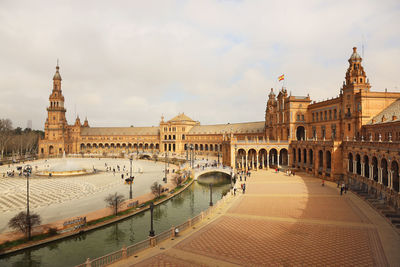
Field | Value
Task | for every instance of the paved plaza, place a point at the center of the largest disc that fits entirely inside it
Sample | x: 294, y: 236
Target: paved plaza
x: 57, y: 198
x: 283, y: 221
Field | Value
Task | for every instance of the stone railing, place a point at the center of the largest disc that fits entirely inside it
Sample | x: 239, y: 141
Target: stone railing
x: 126, y: 252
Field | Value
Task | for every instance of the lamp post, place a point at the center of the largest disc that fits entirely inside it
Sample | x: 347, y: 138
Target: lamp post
x: 191, y: 155
x: 151, y: 220
x: 131, y: 179
x: 165, y: 168
x: 211, y: 202
x: 27, y: 172
x: 218, y: 157
x: 236, y: 163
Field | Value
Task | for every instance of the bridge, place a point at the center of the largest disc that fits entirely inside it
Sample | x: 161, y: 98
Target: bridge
x: 222, y: 169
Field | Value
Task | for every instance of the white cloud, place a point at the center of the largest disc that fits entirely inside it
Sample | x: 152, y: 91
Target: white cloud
x: 128, y: 62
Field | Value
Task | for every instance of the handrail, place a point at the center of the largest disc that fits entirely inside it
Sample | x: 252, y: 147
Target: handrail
x: 126, y: 252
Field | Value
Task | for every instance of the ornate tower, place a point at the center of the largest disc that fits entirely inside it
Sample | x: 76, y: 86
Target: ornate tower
x: 356, y: 79
x: 56, y: 123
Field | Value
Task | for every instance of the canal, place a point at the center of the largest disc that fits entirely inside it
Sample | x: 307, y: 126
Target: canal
x: 75, y: 250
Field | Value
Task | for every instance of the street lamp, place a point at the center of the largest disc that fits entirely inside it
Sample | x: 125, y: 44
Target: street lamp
x: 151, y: 219
x: 165, y: 168
x: 211, y: 202
x: 130, y: 179
x: 27, y: 172
x: 218, y: 157
x: 191, y: 155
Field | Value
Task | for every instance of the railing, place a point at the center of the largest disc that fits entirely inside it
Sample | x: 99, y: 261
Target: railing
x: 152, y: 241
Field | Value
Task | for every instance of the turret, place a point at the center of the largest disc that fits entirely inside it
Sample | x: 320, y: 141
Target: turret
x: 356, y: 79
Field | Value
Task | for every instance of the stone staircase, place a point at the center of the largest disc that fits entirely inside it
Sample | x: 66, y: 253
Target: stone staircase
x: 392, y: 215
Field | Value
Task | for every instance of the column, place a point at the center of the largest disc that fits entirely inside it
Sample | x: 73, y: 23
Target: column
x: 362, y: 169
x: 267, y: 161
x: 277, y: 155
x: 390, y: 176
x: 371, y: 170
x: 241, y: 165
x: 262, y: 161
x: 246, y: 166
x: 379, y: 175
x: 354, y: 166
x: 256, y: 160
x: 288, y: 157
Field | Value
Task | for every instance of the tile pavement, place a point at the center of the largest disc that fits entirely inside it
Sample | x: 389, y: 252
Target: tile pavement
x: 284, y: 221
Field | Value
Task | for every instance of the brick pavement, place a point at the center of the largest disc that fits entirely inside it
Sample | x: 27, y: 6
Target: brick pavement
x: 284, y: 221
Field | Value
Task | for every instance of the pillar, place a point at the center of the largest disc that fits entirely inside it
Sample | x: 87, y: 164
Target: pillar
x: 262, y: 161
x: 246, y: 162
x: 267, y: 166
x: 354, y: 166
x: 362, y: 169
x: 379, y: 175
x: 288, y: 157
x: 256, y: 160
x: 277, y: 156
x: 390, y: 176
x: 371, y: 170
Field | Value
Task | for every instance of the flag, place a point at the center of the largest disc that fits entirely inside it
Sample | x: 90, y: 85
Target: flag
x: 282, y: 77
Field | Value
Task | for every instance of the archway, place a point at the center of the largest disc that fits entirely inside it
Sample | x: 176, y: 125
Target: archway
x: 273, y: 157
x: 358, y: 164
x: 283, y: 157
x: 300, y: 133
x: 252, y: 158
x: 262, y: 158
x: 366, y: 166
x: 350, y: 162
x: 375, y: 169
x: 294, y: 157
x: 328, y: 161
x: 82, y: 146
x: 395, y: 175
x: 320, y: 160
x: 51, y: 150
x: 241, y: 158
x: 311, y: 157
x: 299, y: 155
x: 384, y: 167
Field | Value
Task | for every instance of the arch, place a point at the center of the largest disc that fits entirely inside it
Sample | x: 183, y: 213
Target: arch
x: 273, y: 157
x: 146, y: 146
x: 366, y: 166
x: 112, y: 145
x: 129, y: 146
x: 82, y: 146
x: 201, y: 147
x: 206, y: 147
x: 395, y: 175
x: 241, y: 157
x: 350, y: 162
x: 51, y: 150
x: 94, y: 145
x: 358, y: 164
x: 60, y: 151
x: 211, y: 147
x: 375, y: 169
x: 262, y: 158
x: 294, y: 155
x: 328, y: 160
x: 311, y: 157
x: 118, y: 145
x: 135, y: 146
x: 300, y: 133
x: 140, y: 146
x: 252, y: 158
x: 88, y: 145
x: 151, y: 146
x: 101, y: 145
x: 320, y: 160
x: 384, y: 167
x: 196, y: 147
x: 107, y: 145
x: 185, y: 147
x: 299, y: 155
x: 283, y: 157
x: 157, y: 146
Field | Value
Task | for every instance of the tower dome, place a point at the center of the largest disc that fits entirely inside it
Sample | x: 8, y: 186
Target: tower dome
x: 57, y: 75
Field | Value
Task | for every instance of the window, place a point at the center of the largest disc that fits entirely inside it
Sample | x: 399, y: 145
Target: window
x: 325, y: 116
x: 335, y: 114
x: 323, y: 131
x: 330, y: 114
x: 302, y: 117
x: 183, y: 137
x: 348, y: 127
x: 298, y: 117
x: 314, y: 132
x: 173, y: 137
x: 313, y: 117
x: 165, y: 137
x: 316, y: 116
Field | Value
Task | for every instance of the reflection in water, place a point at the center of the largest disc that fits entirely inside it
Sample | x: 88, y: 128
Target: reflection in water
x: 115, y: 235
x: 215, y: 178
x: 75, y: 250
x: 27, y: 260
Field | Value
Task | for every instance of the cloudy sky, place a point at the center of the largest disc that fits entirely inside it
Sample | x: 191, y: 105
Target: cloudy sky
x: 128, y: 62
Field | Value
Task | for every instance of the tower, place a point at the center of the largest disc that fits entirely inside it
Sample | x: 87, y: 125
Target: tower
x: 56, y: 123
x: 356, y: 83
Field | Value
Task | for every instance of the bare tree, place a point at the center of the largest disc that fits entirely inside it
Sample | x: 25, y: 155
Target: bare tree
x: 5, y: 134
x: 156, y: 189
x: 114, y: 201
x: 177, y: 180
x: 20, y: 221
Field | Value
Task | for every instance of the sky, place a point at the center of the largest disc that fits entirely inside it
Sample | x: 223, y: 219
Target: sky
x: 127, y: 63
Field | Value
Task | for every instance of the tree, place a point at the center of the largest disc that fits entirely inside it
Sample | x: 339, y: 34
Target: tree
x: 177, y: 180
x: 5, y: 134
x: 156, y: 189
x: 114, y: 201
x: 20, y: 221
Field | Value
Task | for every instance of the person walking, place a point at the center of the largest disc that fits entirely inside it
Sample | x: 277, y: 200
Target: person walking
x: 234, y: 190
x: 323, y: 182
x: 244, y: 188
x: 341, y: 189
x: 245, y: 178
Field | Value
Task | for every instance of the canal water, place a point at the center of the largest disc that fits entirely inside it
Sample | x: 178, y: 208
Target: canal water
x: 75, y: 250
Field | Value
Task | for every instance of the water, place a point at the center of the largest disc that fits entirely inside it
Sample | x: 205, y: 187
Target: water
x: 76, y: 250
